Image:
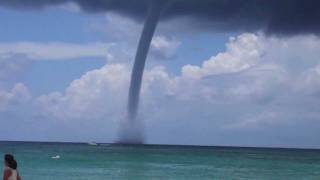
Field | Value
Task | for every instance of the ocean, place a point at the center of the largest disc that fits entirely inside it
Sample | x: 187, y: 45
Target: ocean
x: 40, y: 161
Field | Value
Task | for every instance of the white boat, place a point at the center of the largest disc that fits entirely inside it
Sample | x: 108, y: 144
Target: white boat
x: 55, y: 157
x: 92, y: 144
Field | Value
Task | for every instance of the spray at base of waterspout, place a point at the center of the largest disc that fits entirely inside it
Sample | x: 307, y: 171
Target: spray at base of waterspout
x: 131, y: 132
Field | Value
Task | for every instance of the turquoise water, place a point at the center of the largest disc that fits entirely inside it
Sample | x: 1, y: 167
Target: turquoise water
x: 81, y: 161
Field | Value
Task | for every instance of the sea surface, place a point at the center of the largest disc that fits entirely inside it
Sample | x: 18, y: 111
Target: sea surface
x: 109, y: 161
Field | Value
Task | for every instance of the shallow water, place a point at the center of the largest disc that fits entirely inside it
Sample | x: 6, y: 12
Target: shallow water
x: 81, y: 161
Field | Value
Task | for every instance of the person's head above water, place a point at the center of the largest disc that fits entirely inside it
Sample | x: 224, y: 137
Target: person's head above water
x: 10, y: 161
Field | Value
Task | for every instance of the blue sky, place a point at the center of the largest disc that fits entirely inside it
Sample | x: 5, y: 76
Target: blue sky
x: 63, y: 70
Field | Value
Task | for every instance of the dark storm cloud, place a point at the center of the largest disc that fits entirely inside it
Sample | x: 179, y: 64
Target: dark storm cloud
x: 272, y: 16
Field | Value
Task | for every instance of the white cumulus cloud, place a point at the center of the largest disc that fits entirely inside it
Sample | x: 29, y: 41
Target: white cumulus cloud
x: 18, y: 95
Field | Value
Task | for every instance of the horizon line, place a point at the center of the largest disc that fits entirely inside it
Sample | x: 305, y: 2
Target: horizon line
x: 168, y: 145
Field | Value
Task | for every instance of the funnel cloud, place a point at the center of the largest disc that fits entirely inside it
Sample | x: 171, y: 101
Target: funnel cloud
x: 137, y: 73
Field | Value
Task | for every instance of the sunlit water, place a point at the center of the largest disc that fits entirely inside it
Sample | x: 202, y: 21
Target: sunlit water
x: 81, y: 161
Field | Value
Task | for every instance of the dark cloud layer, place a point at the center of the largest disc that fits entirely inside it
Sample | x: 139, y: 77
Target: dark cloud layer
x: 283, y: 17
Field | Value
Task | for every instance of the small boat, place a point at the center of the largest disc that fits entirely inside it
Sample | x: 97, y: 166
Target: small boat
x: 55, y: 157
x: 92, y: 144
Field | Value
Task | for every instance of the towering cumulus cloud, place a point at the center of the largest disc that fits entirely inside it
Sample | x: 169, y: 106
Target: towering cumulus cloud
x: 275, y: 17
